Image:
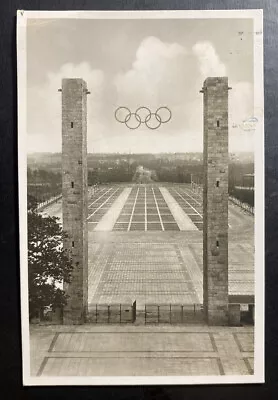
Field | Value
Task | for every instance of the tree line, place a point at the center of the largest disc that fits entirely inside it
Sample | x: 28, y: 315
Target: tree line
x: 49, y: 264
x: 44, y: 184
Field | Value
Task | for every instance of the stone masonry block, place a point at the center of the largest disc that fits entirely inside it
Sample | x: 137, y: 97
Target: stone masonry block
x: 74, y: 182
x: 215, y: 200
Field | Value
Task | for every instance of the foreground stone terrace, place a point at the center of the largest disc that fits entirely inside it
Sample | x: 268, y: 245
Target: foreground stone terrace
x: 140, y: 350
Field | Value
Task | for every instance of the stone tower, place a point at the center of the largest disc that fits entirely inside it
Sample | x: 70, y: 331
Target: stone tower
x: 215, y: 200
x: 74, y: 191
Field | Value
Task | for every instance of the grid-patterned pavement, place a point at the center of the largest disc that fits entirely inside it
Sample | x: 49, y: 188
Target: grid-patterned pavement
x: 159, y: 267
x: 146, y: 272
x: 146, y: 210
x: 100, y: 203
x: 190, y: 203
x: 241, y: 267
x: 149, y: 211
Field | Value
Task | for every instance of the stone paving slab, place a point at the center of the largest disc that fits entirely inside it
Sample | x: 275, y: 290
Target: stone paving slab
x: 140, y: 350
x: 116, y: 342
x: 128, y: 366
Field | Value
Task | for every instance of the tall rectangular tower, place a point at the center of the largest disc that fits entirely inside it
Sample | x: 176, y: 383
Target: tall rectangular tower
x: 215, y: 201
x: 74, y: 191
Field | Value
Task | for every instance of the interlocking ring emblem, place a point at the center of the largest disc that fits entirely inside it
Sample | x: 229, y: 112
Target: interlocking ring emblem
x: 143, y: 115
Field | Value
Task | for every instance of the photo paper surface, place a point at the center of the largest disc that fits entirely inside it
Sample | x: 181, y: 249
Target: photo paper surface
x: 141, y: 197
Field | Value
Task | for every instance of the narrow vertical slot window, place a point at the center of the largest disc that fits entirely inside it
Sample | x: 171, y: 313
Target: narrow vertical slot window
x: 218, y: 123
x: 72, y: 184
x: 71, y: 124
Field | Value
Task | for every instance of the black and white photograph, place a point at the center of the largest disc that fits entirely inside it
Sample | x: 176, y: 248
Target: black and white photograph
x: 141, y: 196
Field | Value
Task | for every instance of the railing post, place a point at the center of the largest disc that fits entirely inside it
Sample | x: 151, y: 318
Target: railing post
x: 158, y: 314
x: 96, y: 313
x: 108, y: 314
x: 182, y: 314
x: 134, y: 311
x: 170, y: 314
x: 120, y: 313
x: 145, y: 314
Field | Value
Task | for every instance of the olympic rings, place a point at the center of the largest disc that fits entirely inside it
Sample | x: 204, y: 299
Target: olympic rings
x: 143, y: 115
x: 156, y: 119
x: 136, y: 118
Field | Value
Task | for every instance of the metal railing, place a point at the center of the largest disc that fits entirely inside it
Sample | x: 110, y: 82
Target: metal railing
x: 173, y: 313
x: 150, y: 314
x: 244, y: 206
x: 112, y: 313
x: 92, y: 191
x: 198, y: 190
x: 46, y: 203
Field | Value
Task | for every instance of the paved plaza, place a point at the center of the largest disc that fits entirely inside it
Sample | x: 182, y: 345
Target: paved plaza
x: 158, y: 267
x: 147, y: 208
x: 145, y: 244
x: 90, y: 350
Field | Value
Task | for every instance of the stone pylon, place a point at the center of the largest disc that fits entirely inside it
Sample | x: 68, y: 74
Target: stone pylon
x: 215, y: 200
x: 74, y: 191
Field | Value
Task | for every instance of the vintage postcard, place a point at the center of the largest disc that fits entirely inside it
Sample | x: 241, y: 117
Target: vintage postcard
x: 141, y: 188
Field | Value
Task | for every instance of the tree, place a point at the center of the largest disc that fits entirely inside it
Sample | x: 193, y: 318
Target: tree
x: 49, y: 265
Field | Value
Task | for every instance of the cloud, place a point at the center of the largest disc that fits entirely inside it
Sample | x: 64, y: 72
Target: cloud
x: 170, y: 74
x: 240, y: 97
x: 240, y: 101
x: 161, y: 74
x: 157, y: 76
x: 240, y: 109
x: 209, y: 62
x: 44, y: 105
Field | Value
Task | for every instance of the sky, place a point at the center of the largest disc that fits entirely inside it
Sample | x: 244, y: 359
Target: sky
x: 133, y: 63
